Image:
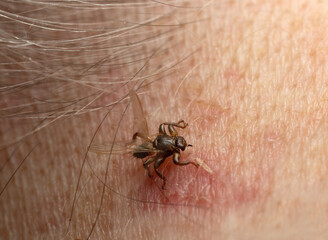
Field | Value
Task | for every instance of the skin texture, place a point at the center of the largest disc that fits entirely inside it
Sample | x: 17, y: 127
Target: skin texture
x: 249, y: 78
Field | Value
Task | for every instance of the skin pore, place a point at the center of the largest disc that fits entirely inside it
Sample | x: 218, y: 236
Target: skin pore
x: 248, y: 77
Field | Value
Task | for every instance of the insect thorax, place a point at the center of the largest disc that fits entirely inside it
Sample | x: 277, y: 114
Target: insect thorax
x: 164, y: 142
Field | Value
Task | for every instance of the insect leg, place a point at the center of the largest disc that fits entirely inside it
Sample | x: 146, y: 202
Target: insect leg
x: 176, y: 160
x: 161, y: 129
x: 142, y: 136
x: 172, y: 131
x: 180, y: 124
x: 158, y: 163
x: 147, y: 163
x: 171, y: 126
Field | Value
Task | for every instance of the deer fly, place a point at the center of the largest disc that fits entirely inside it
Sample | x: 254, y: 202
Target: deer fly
x: 154, y: 149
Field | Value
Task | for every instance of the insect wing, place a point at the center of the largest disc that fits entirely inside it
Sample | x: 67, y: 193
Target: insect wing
x: 140, y: 125
x: 140, y: 122
x: 106, y: 148
x: 122, y: 148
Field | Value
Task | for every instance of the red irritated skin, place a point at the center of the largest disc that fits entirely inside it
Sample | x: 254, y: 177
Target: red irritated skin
x: 236, y: 175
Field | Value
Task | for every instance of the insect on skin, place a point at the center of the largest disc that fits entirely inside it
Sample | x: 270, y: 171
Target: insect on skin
x: 155, y: 148
x: 164, y: 145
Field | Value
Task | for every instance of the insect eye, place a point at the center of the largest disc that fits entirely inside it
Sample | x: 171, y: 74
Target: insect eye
x: 181, y: 143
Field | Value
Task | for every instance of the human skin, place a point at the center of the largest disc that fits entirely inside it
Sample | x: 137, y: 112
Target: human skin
x: 249, y: 77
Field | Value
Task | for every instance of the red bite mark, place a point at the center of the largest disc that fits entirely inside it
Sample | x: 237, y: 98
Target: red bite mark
x: 228, y: 186
x: 242, y: 165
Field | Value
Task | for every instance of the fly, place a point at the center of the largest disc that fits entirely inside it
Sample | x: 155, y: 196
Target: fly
x: 154, y: 149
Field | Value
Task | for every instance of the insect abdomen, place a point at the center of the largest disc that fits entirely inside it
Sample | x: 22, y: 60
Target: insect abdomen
x: 139, y: 151
x: 141, y: 154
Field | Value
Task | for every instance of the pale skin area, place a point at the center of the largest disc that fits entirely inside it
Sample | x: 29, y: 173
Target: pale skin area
x: 254, y: 93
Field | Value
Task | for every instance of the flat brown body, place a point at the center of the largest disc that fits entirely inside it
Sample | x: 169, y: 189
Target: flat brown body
x: 163, y: 146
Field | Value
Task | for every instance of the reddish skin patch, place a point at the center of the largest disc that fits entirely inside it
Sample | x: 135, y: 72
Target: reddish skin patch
x: 241, y: 175
x: 224, y: 189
